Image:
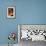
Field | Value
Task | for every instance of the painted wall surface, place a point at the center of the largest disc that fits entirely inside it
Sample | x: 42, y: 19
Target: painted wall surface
x: 6, y: 25
x: 31, y: 11
x: 27, y: 12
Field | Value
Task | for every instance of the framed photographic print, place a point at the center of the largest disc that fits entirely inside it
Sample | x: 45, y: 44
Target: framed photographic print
x: 11, y: 12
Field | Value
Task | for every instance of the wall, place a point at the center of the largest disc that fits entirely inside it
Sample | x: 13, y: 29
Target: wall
x: 6, y: 25
x: 31, y: 11
x: 27, y: 12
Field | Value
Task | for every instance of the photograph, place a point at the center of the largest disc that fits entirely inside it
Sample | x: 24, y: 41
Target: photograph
x: 11, y: 12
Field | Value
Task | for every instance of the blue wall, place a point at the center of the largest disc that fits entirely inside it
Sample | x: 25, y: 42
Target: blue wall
x: 31, y: 11
x: 27, y: 12
x: 6, y: 25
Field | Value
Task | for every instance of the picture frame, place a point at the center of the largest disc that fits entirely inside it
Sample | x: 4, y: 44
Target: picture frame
x: 11, y: 12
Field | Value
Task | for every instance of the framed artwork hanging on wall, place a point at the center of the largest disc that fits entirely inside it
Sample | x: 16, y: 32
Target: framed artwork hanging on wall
x: 11, y: 12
